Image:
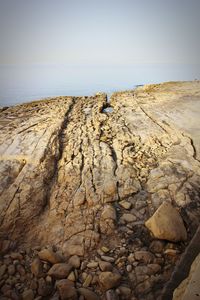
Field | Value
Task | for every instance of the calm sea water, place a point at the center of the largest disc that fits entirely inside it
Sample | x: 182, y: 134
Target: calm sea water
x: 25, y: 83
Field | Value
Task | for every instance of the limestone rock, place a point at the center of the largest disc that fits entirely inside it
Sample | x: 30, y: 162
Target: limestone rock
x: 167, y: 224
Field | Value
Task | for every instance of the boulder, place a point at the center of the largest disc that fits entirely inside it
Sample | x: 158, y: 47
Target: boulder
x: 167, y: 224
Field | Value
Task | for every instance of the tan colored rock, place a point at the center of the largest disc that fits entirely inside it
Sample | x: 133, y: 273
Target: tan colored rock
x: 105, y: 266
x: 50, y: 256
x: 66, y: 290
x: 75, y: 261
x: 36, y: 267
x: 109, y: 280
x: 125, y: 204
x: 167, y: 224
x: 60, y: 270
x: 144, y: 256
x: 128, y: 218
x: 88, y: 294
x: 28, y: 295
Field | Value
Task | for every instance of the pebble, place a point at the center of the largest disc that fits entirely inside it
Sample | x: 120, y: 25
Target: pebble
x: 2, y: 270
x: 75, y: 261
x: 16, y: 255
x: 93, y: 264
x: 66, y: 289
x: 111, y: 295
x: 28, y: 295
x: 107, y: 258
x: 125, y: 204
x: 36, y: 267
x: 60, y: 270
x: 105, y: 249
x: 87, y: 281
x: 88, y: 294
x: 144, y: 256
x: 129, y: 268
x: 72, y: 276
x: 109, y: 280
x: 11, y: 270
x: 50, y: 256
x: 105, y: 266
x: 128, y: 218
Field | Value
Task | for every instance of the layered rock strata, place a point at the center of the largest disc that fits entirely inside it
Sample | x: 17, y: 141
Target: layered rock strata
x: 84, y: 181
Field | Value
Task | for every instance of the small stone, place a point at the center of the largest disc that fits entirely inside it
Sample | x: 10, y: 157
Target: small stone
x: 72, y: 276
x: 48, y: 279
x: 157, y: 246
x: 6, y: 289
x: 105, y: 266
x: 87, y: 281
x: 28, y: 295
x: 107, y: 258
x: 111, y: 295
x: 50, y: 256
x: 66, y: 290
x: 153, y: 269
x: 171, y: 252
x: 105, y: 249
x: 125, y: 291
x: 125, y: 204
x: 33, y: 285
x: 83, y: 265
x: 2, y: 270
x: 88, y: 294
x: 44, y: 289
x: 60, y: 270
x: 93, y: 264
x: 129, y: 268
x: 21, y: 270
x: 16, y: 255
x: 167, y: 224
x: 109, y: 280
x: 36, y: 267
x: 131, y: 258
x: 11, y: 270
x: 75, y: 261
x: 143, y: 287
x: 128, y: 218
x: 144, y: 256
x: 108, y: 213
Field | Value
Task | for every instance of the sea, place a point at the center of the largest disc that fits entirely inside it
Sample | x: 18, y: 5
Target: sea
x: 24, y: 83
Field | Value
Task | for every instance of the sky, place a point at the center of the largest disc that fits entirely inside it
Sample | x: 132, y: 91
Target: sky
x: 99, y: 32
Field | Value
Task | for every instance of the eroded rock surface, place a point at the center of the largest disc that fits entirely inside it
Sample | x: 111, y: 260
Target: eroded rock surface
x: 85, y: 180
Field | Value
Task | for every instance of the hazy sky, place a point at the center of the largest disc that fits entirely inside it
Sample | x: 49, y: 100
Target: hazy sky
x: 93, y: 32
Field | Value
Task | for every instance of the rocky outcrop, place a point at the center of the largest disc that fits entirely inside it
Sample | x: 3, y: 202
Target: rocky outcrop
x: 84, y: 180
